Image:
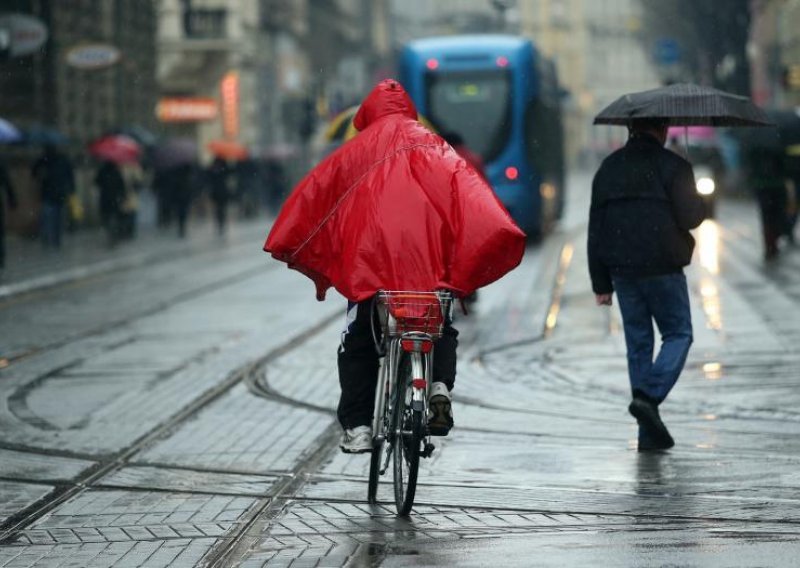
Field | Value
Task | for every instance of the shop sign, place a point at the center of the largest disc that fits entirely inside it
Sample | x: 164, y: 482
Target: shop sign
x: 93, y: 56
x: 229, y: 89
x: 21, y: 35
x: 187, y: 109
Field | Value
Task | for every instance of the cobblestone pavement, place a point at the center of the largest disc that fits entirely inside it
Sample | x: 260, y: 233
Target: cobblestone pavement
x: 185, y: 418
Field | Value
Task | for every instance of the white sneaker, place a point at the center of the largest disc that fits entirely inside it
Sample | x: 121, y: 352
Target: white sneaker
x: 440, y: 410
x: 438, y: 389
x: 356, y: 440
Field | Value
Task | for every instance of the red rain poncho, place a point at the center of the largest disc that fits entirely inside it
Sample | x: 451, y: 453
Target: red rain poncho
x: 395, y: 208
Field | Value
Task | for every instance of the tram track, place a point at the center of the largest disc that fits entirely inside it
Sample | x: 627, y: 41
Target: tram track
x: 159, y: 306
x: 38, y: 286
x: 117, y: 460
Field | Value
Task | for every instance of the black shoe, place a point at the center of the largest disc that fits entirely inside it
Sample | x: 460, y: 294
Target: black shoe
x: 646, y: 414
x: 654, y: 447
x: 441, y: 419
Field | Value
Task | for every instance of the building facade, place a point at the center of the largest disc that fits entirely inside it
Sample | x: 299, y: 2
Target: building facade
x: 51, y: 88
x: 598, y: 51
x: 774, y: 53
x: 294, y: 62
x: 45, y: 89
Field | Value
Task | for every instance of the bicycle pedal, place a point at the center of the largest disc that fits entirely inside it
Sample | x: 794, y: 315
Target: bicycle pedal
x: 428, y: 450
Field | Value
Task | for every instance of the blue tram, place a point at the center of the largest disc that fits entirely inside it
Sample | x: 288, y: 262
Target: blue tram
x: 502, y: 97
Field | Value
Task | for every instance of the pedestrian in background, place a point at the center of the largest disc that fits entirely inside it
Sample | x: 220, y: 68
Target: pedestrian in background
x: 133, y: 178
x: 248, y: 182
x: 111, y: 186
x: 184, y: 178
x: 644, y: 203
x: 275, y: 183
x: 55, y: 177
x: 765, y: 169
x: 7, y: 190
x: 218, y: 178
x: 163, y: 181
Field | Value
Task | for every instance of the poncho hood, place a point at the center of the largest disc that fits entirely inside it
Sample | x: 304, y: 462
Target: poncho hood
x: 388, y: 97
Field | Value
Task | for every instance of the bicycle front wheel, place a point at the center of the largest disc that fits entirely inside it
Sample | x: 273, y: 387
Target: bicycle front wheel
x: 374, y: 471
x: 408, y: 436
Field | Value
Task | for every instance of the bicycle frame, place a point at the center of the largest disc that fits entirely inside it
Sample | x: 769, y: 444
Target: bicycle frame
x: 410, y: 322
x: 421, y: 357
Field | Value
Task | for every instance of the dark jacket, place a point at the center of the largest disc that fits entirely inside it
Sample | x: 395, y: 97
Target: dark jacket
x: 53, y: 171
x: 644, y: 202
x: 112, y: 189
x: 217, y: 175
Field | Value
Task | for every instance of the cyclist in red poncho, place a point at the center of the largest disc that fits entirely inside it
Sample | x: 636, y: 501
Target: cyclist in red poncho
x: 396, y: 208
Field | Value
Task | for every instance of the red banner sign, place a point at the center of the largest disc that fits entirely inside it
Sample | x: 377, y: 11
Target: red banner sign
x: 187, y: 109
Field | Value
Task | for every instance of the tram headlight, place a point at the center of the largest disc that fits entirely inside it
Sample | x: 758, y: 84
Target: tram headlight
x: 547, y: 190
x: 705, y: 186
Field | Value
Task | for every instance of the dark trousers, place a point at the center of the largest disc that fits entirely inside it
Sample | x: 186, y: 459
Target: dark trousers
x: 772, y: 204
x: 221, y: 214
x: 52, y: 224
x: 182, y: 215
x: 358, y: 365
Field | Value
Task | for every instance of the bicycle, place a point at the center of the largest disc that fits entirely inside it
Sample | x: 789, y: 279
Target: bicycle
x: 410, y: 323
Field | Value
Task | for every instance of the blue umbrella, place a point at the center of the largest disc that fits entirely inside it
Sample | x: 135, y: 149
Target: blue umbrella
x: 8, y: 132
x: 43, y: 136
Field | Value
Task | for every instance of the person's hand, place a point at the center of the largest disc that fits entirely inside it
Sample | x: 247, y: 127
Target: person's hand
x: 603, y: 299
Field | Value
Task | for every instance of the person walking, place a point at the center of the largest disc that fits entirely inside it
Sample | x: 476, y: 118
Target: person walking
x: 184, y: 179
x: 133, y: 178
x: 644, y: 203
x: 765, y: 168
x: 55, y: 177
x: 218, y: 176
x: 111, y: 185
x: 8, y: 190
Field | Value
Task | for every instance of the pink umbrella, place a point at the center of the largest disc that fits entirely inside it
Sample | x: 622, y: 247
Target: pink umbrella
x: 116, y: 148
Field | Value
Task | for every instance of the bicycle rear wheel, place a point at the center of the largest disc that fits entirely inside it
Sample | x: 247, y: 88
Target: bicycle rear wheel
x: 407, y: 426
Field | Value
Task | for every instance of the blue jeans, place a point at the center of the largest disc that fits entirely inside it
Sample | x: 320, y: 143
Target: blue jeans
x: 664, y: 299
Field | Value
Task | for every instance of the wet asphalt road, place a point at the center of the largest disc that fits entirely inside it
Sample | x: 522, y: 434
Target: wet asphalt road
x: 181, y: 415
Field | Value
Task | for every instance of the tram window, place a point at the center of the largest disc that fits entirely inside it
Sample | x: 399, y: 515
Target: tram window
x: 474, y: 104
x: 542, y: 139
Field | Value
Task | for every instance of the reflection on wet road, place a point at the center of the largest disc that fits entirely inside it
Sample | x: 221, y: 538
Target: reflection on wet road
x: 541, y: 468
x: 173, y: 433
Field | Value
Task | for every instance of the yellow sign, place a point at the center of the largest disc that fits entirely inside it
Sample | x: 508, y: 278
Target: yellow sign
x: 792, y: 77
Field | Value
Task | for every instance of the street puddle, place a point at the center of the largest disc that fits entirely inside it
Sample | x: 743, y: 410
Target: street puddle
x: 712, y: 306
x: 712, y: 371
x: 708, y: 246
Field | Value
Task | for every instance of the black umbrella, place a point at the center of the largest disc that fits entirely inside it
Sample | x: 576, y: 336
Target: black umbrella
x: 684, y: 105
